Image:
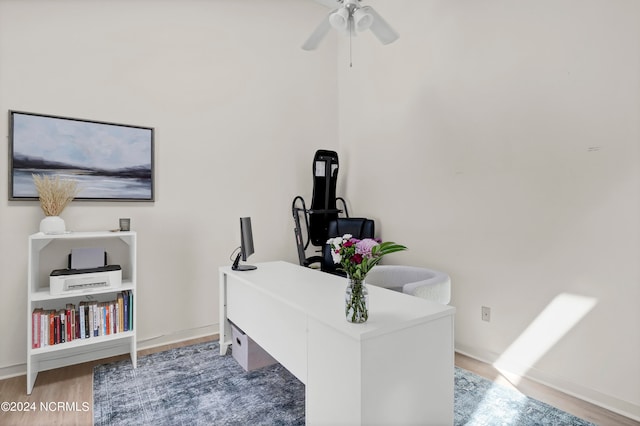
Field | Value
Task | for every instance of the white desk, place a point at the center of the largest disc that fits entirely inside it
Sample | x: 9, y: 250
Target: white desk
x: 397, y: 368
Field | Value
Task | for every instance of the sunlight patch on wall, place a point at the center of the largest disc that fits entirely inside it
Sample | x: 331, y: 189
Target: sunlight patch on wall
x: 551, y: 325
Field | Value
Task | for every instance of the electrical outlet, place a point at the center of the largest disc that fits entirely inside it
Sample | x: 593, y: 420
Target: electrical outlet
x: 486, y: 313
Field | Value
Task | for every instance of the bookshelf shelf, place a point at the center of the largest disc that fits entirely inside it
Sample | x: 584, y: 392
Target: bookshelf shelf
x: 50, y: 252
x: 43, y: 294
x: 83, y: 342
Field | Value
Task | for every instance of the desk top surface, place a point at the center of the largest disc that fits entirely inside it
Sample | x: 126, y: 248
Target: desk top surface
x: 321, y: 296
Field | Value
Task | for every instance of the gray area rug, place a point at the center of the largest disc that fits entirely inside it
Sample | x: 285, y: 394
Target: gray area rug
x: 194, y: 385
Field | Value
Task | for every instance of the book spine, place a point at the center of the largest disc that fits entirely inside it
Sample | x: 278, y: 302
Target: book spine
x: 34, y: 329
x: 63, y: 326
x: 81, y: 320
x: 111, y: 318
x: 98, y: 322
x: 44, y: 341
x: 56, y: 328
x: 76, y: 319
x: 68, y: 324
x: 92, y: 320
x: 116, y: 312
x: 104, y: 319
x: 120, y: 313
x: 125, y: 304
x: 131, y: 324
x: 86, y: 322
x: 51, y: 315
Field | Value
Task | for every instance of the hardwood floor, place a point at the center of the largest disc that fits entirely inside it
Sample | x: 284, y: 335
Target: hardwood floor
x: 65, y: 396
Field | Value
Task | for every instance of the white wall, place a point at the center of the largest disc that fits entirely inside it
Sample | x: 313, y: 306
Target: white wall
x: 238, y: 109
x: 500, y: 142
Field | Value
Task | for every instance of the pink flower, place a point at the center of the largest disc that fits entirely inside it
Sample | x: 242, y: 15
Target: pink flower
x: 365, y: 246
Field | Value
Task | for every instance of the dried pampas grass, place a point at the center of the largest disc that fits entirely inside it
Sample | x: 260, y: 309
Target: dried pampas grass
x: 55, y: 193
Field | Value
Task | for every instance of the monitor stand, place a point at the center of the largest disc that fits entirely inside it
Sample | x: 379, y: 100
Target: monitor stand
x: 237, y: 267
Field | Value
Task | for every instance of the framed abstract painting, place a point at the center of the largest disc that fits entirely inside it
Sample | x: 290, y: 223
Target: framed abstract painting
x: 109, y: 161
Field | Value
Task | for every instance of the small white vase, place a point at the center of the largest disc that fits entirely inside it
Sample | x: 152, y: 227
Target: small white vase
x: 52, y: 225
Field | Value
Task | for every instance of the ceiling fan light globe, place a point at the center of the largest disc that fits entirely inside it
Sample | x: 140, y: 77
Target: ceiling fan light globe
x: 339, y: 19
x: 363, y: 19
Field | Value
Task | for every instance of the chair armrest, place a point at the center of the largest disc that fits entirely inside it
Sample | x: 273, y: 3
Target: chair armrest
x: 436, y: 289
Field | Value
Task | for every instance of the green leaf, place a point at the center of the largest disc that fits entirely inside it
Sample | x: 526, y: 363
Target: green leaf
x: 387, y: 247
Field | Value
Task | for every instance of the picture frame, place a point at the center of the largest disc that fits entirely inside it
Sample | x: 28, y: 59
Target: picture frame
x: 110, y: 161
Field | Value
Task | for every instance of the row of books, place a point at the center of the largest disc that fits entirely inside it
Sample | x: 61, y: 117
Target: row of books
x: 88, y: 319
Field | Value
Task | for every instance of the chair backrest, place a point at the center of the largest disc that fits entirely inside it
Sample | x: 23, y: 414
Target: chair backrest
x: 359, y: 227
x: 323, y: 202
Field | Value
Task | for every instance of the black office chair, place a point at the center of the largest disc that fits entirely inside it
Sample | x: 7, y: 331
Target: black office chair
x: 359, y: 227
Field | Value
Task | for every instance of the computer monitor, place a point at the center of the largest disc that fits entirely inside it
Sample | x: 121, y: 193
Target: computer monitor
x: 246, y: 246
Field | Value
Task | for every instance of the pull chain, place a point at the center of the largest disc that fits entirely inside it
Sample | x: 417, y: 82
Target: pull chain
x: 350, y: 37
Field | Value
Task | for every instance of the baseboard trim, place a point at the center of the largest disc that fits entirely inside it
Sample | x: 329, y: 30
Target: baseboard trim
x: 178, y: 337
x: 608, y: 402
x: 154, y: 342
x: 13, y: 371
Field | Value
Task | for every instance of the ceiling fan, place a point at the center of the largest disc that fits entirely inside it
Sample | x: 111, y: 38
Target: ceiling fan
x: 348, y: 18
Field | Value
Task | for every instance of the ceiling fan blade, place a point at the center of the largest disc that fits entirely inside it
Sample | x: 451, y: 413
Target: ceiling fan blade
x: 380, y: 28
x: 318, y: 34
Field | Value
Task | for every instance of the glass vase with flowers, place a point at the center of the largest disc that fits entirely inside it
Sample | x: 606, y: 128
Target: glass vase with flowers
x: 356, y: 258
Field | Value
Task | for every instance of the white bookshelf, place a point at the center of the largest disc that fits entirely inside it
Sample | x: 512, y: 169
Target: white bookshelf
x: 50, y: 252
